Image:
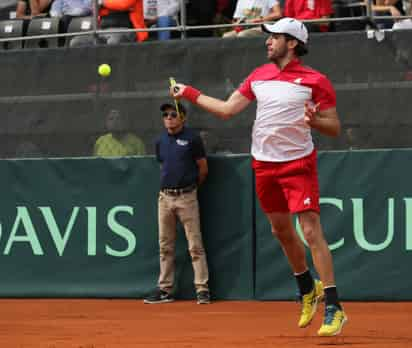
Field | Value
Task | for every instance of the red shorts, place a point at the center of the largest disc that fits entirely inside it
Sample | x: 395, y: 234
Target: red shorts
x: 290, y: 186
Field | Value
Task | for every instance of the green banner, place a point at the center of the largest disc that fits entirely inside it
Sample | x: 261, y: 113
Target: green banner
x: 88, y: 228
x: 366, y: 212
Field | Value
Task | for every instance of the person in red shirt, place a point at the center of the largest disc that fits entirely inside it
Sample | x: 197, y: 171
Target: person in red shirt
x: 309, y: 9
x: 123, y: 14
x: 291, y: 100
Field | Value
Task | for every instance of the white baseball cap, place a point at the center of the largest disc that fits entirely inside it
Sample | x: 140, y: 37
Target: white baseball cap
x: 290, y: 26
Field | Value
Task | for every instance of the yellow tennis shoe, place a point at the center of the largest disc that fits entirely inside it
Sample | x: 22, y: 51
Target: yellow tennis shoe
x: 333, y: 322
x: 310, y: 304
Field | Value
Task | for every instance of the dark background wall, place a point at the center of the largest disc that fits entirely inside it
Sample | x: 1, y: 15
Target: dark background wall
x: 53, y: 103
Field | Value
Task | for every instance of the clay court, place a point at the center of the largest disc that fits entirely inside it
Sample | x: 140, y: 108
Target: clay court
x: 71, y: 323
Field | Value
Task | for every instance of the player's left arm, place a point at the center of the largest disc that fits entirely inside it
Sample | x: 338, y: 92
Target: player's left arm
x: 326, y: 121
x: 321, y: 113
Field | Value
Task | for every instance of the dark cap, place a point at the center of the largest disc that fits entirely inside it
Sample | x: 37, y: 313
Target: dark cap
x: 165, y: 106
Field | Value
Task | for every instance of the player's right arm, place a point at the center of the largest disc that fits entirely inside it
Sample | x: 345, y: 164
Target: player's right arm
x: 224, y: 109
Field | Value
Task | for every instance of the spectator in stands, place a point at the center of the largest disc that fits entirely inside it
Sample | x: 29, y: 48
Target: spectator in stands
x: 122, y: 14
x: 392, y: 8
x: 200, y: 12
x: 27, y: 9
x: 309, y: 9
x: 226, y: 8
x: 404, y: 23
x: 150, y: 12
x: 253, y: 11
x: 67, y: 9
x: 162, y: 14
x: 224, y: 14
x: 73, y: 8
x: 119, y: 141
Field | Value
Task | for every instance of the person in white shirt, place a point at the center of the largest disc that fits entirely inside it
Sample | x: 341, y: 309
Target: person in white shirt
x: 162, y: 13
x: 253, y: 12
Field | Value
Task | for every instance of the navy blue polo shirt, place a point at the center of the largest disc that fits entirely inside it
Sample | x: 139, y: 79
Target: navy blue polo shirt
x: 178, y: 154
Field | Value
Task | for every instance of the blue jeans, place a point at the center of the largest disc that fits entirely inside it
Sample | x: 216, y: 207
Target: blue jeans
x: 164, y: 22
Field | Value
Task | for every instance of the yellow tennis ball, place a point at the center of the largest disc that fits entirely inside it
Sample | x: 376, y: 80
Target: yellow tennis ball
x: 104, y: 70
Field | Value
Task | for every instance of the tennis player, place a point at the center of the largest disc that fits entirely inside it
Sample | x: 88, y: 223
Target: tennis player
x: 291, y: 99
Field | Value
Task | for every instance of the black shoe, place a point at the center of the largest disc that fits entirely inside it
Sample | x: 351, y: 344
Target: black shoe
x: 159, y: 296
x: 203, y: 297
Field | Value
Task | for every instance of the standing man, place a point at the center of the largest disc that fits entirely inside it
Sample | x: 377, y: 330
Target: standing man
x: 182, y: 158
x: 291, y: 99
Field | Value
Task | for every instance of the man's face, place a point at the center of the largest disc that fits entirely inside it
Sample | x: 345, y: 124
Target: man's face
x: 115, y: 122
x: 277, y: 47
x: 171, y: 119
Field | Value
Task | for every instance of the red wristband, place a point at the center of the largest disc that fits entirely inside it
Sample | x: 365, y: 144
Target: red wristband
x: 190, y: 93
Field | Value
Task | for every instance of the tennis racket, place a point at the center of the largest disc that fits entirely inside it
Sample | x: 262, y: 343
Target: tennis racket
x: 172, y: 82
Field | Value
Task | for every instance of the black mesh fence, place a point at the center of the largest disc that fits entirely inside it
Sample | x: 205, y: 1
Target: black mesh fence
x: 54, y: 104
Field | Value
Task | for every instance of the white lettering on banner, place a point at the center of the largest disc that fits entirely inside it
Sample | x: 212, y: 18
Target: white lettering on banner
x: 24, y: 233
x: 23, y: 218
x: 121, y: 231
x: 28, y: 235
x: 59, y: 240
x: 408, y: 222
x: 359, y: 228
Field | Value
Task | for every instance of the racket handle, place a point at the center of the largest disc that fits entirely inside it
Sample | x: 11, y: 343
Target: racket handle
x: 173, y: 84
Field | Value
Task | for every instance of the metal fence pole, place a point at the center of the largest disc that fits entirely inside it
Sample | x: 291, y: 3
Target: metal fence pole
x: 95, y: 18
x: 183, y: 18
x: 369, y: 12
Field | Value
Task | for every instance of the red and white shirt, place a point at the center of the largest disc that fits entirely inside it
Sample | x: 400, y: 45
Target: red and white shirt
x: 279, y: 131
x: 307, y: 9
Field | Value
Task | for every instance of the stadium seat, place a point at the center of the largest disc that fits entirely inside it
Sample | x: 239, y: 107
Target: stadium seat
x: 6, y: 9
x: 79, y: 24
x: 11, y: 29
x: 43, y: 26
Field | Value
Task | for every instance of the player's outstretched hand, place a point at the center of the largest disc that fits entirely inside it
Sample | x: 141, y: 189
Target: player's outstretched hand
x: 177, y: 90
x: 310, y: 113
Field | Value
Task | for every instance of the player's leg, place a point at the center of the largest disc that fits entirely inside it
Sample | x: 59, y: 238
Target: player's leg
x: 301, y: 191
x: 301, y: 186
x: 167, y: 242
x: 310, y: 290
x: 187, y: 209
x: 292, y: 246
x: 334, y: 316
x: 313, y: 234
x: 273, y: 201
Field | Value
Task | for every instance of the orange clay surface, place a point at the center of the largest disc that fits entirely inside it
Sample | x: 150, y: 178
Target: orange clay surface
x: 26, y: 323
